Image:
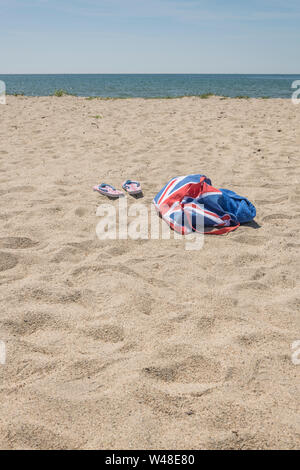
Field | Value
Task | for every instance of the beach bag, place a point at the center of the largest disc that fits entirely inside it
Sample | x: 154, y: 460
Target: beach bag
x: 190, y: 204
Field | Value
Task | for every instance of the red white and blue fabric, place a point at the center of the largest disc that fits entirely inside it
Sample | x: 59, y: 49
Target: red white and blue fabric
x: 108, y: 190
x: 190, y: 203
x: 132, y: 187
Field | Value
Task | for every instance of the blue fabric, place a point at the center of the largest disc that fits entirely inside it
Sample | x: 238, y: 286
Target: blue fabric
x: 130, y: 182
x: 239, y: 207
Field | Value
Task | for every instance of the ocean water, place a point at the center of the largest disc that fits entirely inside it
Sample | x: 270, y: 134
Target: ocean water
x: 152, y: 85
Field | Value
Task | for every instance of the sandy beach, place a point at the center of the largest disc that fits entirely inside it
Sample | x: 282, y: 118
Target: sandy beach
x: 141, y: 344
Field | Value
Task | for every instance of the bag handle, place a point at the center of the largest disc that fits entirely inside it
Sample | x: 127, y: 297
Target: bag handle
x: 202, y: 181
x: 220, y: 231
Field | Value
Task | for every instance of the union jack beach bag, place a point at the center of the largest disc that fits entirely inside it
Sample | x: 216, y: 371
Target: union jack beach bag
x: 189, y: 203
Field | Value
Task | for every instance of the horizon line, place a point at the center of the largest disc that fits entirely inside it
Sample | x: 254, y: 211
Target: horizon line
x: 147, y: 73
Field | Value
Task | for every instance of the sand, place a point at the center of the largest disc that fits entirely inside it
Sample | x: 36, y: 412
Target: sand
x: 141, y: 344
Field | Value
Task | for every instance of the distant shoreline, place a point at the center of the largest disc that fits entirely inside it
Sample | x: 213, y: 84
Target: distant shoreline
x: 114, y: 98
x: 155, y: 73
x: 152, y: 85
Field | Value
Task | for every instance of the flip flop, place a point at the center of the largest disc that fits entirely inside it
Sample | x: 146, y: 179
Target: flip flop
x: 108, y: 190
x: 132, y: 187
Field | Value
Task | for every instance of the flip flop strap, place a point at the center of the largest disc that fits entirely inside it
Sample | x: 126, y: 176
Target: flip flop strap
x: 128, y: 182
x: 103, y: 185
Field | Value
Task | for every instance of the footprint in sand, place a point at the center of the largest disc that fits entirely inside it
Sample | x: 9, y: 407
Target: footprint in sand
x: 255, y: 285
x: 200, y: 368
x: 271, y: 217
x: 117, y: 250
x: 249, y: 240
x: 258, y: 274
x: 15, y: 243
x: 21, y: 189
x: 83, y: 368
x: 34, y: 436
x: 275, y: 201
x: 206, y: 323
x: 107, y: 333
x: 54, y: 296
x: 80, y: 211
x: 7, y: 261
x: 260, y: 340
x: 28, y: 323
x: 246, y: 259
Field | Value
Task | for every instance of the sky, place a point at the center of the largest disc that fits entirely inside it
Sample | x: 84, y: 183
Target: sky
x: 149, y: 36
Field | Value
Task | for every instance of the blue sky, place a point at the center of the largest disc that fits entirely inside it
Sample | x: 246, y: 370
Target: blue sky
x: 149, y: 36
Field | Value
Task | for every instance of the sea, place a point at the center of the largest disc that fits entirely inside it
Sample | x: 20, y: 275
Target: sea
x: 152, y: 85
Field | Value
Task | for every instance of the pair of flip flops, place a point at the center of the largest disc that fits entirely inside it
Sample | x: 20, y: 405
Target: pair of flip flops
x: 132, y: 187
